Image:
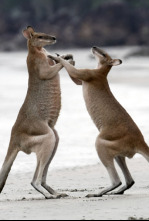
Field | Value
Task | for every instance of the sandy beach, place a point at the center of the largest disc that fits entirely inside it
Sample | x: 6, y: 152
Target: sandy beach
x: 76, y: 169
x: 20, y: 201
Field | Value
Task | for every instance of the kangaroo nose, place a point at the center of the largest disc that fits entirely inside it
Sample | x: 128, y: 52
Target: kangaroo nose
x: 54, y: 38
x: 94, y: 47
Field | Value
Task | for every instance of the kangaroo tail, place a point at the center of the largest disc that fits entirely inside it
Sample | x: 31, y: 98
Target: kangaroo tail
x: 11, y: 156
x: 144, y: 151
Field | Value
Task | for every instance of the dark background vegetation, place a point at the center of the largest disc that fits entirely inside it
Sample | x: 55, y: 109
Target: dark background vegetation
x: 76, y: 23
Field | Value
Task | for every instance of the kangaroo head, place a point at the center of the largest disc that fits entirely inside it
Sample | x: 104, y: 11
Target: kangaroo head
x: 38, y: 39
x: 104, y: 60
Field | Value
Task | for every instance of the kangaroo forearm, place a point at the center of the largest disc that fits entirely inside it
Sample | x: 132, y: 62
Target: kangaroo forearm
x: 76, y: 81
x: 81, y: 74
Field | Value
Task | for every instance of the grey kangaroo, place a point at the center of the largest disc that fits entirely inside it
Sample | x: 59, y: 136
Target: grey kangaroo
x: 34, y: 130
x: 119, y: 136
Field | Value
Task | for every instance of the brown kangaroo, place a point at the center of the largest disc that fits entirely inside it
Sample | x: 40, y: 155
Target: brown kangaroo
x: 34, y: 129
x: 119, y: 136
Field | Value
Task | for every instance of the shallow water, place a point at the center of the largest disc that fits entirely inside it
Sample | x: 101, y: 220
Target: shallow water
x: 129, y: 83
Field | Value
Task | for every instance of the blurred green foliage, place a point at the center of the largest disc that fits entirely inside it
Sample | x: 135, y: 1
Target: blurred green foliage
x: 77, y: 22
x: 44, y: 8
x: 54, y: 5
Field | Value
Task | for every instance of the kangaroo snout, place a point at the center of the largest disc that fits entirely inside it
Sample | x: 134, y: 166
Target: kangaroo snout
x: 53, y: 39
x: 98, y: 51
x: 94, y: 49
x: 49, y: 38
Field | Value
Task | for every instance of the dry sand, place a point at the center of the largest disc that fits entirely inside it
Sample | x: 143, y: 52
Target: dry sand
x: 20, y: 201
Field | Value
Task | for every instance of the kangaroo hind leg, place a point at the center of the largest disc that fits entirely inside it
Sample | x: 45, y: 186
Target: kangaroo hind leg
x: 45, y: 150
x: 108, y: 161
x: 9, y: 160
x: 129, y: 180
x: 44, y: 179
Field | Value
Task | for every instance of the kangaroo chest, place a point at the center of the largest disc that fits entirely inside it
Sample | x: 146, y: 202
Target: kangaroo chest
x: 50, y: 101
x: 93, y: 104
x: 45, y: 96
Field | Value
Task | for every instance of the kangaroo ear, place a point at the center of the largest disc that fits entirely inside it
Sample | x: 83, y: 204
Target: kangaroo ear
x: 30, y: 29
x: 26, y: 34
x: 116, y: 62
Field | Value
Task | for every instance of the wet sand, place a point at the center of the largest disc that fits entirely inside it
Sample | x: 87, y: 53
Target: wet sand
x: 20, y: 201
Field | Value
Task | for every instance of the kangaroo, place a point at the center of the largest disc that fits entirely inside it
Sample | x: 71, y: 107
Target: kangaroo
x: 119, y: 136
x: 34, y: 128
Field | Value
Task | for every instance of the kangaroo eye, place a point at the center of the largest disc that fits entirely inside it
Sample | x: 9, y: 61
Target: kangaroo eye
x: 103, y: 55
x: 40, y: 37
